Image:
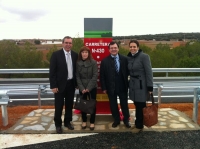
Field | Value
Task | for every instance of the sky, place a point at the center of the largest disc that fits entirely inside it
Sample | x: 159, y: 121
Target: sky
x: 54, y: 19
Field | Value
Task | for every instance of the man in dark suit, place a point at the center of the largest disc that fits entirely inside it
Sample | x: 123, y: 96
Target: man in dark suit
x: 114, y: 82
x: 63, y: 82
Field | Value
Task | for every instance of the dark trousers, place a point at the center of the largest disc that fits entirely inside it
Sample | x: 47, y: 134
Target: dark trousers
x: 93, y: 94
x: 65, y: 98
x: 123, y: 103
x: 139, y: 114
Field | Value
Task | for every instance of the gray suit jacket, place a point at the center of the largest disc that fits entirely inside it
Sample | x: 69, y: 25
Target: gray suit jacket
x: 86, y: 74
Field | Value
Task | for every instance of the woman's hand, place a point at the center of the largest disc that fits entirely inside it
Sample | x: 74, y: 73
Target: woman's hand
x: 83, y: 91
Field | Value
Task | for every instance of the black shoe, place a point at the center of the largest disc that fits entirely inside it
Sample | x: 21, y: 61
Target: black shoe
x: 69, y: 126
x: 115, y: 124
x: 84, y: 127
x: 127, y: 124
x: 59, y: 130
x: 91, y: 128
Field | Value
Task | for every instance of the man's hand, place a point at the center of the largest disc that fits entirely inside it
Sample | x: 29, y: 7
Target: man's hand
x: 54, y: 90
x: 105, y: 91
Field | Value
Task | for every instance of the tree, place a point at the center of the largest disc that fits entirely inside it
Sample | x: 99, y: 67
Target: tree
x: 187, y: 62
x: 48, y: 56
x: 37, y: 42
x: 145, y: 49
x: 190, y: 50
x: 9, y: 54
x: 161, y: 46
x: 77, y: 44
x: 123, y: 51
x: 29, y: 46
x: 162, y: 58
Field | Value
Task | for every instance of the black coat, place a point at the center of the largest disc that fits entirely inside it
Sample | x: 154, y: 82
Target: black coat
x: 58, y: 69
x: 107, y: 73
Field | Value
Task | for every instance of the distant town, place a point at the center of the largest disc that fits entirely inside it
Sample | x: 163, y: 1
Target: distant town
x: 172, y: 39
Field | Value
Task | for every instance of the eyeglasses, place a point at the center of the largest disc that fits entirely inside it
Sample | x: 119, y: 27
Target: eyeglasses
x: 68, y: 43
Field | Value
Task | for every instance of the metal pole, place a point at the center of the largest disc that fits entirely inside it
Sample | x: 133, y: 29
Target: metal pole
x: 4, y: 114
x: 159, y: 93
x: 4, y: 102
x: 195, y: 104
x: 39, y: 98
x: 167, y: 74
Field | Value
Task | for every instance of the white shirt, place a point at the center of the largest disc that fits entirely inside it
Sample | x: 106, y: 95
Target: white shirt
x: 134, y: 53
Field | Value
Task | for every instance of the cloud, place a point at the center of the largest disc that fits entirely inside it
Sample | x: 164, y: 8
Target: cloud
x: 28, y: 15
x: 2, y: 20
x: 22, y: 10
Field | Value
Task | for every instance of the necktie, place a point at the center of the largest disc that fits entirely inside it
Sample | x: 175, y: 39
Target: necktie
x: 116, y: 65
x: 69, y: 66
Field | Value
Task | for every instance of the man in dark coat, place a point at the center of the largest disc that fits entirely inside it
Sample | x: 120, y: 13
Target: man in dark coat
x: 114, y: 82
x: 63, y: 82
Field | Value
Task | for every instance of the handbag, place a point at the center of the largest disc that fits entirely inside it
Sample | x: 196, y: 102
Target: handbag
x: 85, y: 105
x: 150, y: 113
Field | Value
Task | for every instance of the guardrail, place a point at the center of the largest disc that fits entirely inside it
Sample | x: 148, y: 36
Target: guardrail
x: 161, y: 85
x: 45, y: 70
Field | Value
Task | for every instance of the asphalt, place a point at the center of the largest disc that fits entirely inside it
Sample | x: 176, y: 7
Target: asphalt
x: 123, y: 140
x: 36, y: 130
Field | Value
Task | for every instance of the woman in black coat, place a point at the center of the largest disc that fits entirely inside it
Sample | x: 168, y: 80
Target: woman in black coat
x: 141, y: 81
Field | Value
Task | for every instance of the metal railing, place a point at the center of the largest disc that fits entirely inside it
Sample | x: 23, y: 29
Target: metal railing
x: 46, y: 70
x: 161, y: 85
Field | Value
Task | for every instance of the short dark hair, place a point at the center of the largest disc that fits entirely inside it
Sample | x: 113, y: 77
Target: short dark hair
x: 85, y: 48
x: 66, y: 37
x: 134, y: 41
x: 112, y: 43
